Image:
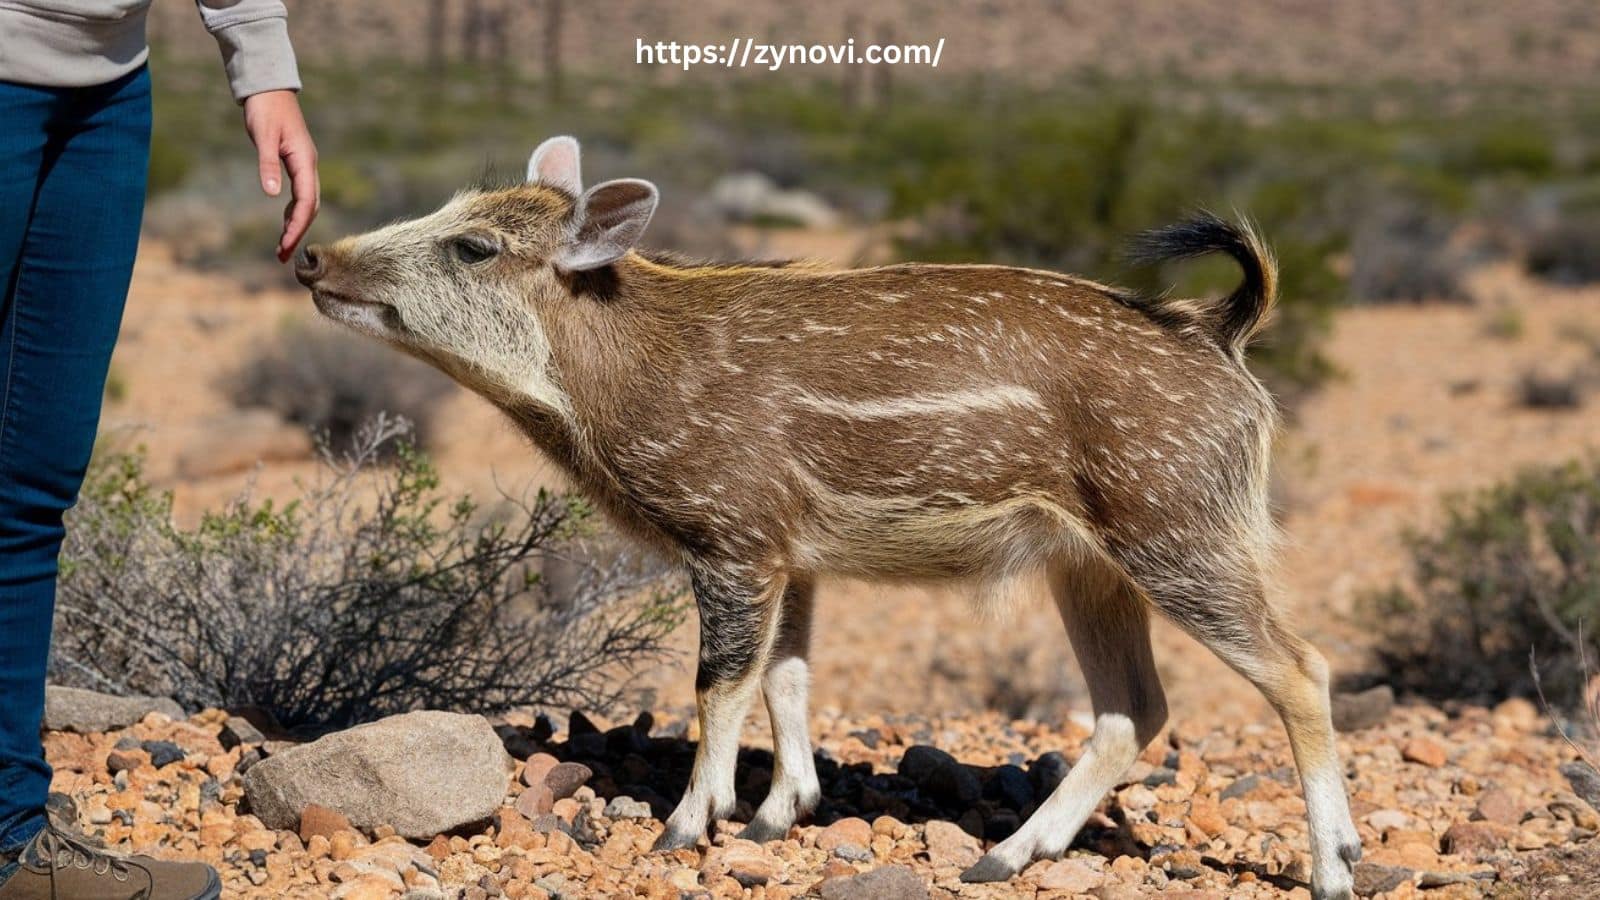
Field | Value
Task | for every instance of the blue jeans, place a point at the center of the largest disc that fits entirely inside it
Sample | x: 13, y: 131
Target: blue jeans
x: 73, y: 163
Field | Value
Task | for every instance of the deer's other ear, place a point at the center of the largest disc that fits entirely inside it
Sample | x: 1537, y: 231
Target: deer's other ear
x: 609, y: 220
x: 555, y: 163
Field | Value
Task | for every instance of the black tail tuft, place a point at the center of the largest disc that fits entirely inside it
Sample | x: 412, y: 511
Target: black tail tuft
x: 1235, y: 319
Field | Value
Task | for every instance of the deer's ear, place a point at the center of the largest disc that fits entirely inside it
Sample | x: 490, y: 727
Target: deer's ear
x: 609, y: 220
x: 555, y: 163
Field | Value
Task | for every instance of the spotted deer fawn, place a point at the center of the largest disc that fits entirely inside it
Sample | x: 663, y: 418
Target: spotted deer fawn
x: 770, y: 424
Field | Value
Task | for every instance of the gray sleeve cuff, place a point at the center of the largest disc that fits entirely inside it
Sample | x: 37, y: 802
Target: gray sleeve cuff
x: 258, y: 56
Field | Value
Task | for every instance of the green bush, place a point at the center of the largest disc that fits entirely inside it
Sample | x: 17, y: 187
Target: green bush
x: 1513, y: 570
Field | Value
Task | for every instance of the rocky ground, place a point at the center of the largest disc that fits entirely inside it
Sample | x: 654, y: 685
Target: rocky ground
x: 1466, y: 804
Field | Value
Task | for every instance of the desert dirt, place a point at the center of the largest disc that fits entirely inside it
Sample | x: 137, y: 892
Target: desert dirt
x: 1424, y: 406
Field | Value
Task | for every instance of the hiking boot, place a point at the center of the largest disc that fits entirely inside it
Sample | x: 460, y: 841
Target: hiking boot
x: 57, y: 865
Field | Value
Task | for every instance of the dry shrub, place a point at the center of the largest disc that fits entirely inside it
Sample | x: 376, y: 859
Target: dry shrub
x: 1566, y: 249
x: 1406, y: 253
x: 1541, y: 390
x: 1515, y: 568
x: 370, y: 594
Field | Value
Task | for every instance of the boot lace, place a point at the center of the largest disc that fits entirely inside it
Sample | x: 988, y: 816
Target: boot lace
x: 67, y: 851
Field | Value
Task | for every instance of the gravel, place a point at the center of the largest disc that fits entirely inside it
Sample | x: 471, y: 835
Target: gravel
x: 1210, y: 808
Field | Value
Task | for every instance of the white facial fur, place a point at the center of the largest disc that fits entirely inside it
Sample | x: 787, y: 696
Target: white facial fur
x: 476, y: 320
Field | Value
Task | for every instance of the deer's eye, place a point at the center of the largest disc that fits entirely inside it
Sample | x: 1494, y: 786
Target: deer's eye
x: 474, y: 248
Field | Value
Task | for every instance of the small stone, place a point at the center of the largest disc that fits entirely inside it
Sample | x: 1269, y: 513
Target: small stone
x: 1474, y: 838
x: 882, y: 883
x: 1160, y: 776
x: 920, y: 762
x: 535, y: 801
x: 955, y: 786
x: 537, y: 767
x: 1010, y: 787
x: 548, y: 823
x: 746, y: 862
x: 96, y: 811
x: 1518, y: 713
x: 342, y: 845
x: 1207, y: 816
x: 1070, y: 875
x: 845, y: 831
x: 1423, y: 751
x: 1385, y: 819
x: 364, y: 887
x: 1181, y: 863
x: 949, y: 845
x: 853, y: 853
x: 1240, y: 787
x: 837, y: 868
x: 125, y: 760
x: 687, y: 881
x: 1585, y: 782
x: 1499, y: 806
x: 1367, y: 709
x: 259, y: 840
x: 564, y: 779
x: 320, y: 820
x: 1049, y: 770
x: 163, y: 753
x: 1138, y: 798
x: 624, y: 807
x: 869, y: 737
x: 1372, y: 878
x: 238, y: 730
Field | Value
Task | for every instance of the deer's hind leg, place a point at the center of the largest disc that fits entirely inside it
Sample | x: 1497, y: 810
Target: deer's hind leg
x: 1221, y: 597
x: 1108, y: 623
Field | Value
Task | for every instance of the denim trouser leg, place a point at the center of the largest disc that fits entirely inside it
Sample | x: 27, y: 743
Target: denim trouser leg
x: 72, y: 177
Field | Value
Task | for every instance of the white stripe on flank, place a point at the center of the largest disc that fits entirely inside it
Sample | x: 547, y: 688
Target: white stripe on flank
x: 995, y: 397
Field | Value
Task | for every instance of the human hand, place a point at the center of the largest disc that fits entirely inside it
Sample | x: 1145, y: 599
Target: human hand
x: 278, y: 129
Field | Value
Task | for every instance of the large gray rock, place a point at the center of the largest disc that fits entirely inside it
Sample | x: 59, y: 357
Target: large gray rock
x: 75, y: 709
x: 424, y: 773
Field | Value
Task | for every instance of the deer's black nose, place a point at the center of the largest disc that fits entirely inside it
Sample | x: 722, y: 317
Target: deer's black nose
x: 308, y: 265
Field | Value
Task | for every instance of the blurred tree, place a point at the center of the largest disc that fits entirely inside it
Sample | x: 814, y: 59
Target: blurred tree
x: 472, y: 30
x: 438, y: 17
x: 882, y: 73
x: 850, y: 78
x: 554, y: 11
